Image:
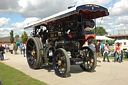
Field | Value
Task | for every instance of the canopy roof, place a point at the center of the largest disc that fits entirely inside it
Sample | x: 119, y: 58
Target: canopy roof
x: 103, y: 38
x: 88, y: 11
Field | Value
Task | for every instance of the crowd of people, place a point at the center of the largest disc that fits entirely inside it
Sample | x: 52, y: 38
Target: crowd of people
x: 12, y: 48
x: 105, y: 51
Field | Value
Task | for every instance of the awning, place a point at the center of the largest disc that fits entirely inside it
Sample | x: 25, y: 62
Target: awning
x: 103, y: 38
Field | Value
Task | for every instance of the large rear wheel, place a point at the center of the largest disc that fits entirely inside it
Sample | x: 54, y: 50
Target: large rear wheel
x: 90, y: 61
x: 61, y: 62
x: 34, y: 52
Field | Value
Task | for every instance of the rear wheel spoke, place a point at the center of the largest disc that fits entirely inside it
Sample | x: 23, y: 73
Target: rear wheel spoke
x: 90, y: 60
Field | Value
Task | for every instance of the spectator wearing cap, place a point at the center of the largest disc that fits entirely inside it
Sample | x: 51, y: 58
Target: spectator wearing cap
x: 1, y: 52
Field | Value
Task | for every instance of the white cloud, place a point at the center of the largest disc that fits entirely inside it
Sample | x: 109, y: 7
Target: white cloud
x: 42, y: 8
x: 30, y: 20
x: 108, y: 30
x: 104, y: 22
x: 121, y: 27
x: 19, y: 26
x: 4, y: 31
x: 122, y: 20
x: 9, y: 6
x: 4, y: 21
x: 119, y: 8
x: 120, y: 24
x: 99, y: 2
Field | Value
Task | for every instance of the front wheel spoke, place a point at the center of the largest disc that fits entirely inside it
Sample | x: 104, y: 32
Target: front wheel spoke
x: 32, y: 62
x: 32, y: 43
x: 59, y: 55
x: 29, y: 58
x: 34, y: 47
x: 35, y: 50
x: 58, y: 67
x: 29, y: 51
x: 30, y: 46
x: 35, y: 57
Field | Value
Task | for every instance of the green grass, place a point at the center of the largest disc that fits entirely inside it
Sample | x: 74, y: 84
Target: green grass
x: 11, y: 76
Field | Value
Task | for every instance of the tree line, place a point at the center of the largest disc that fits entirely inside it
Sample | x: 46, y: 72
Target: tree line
x: 24, y: 37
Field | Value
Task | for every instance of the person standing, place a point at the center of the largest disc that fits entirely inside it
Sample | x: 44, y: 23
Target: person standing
x: 118, y: 48
x: 121, y: 52
x: 1, y: 52
x: 90, y: 44
x: 11, y: 48
x: 21, y: 48
x: 15, y: 48
x: 24, y: 49
x: 102, y: 49
x: 97, y: 47
x: 126, y: 53
x: 115, y: 52
x: 3, y: 45
x: 7, y: 47
x: 106, y: 49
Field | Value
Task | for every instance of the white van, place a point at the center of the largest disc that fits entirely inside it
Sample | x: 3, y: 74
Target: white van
x: 124, y: 44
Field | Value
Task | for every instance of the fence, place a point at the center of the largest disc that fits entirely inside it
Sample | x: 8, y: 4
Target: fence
x: 118, y: 32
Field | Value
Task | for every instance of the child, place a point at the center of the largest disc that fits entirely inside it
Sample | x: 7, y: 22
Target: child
x: 106, y: 53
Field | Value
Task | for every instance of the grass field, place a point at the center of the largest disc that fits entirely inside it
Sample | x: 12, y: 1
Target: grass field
x: 11, y: 76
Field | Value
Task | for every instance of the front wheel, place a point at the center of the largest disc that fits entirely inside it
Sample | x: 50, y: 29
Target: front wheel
x: 90, y: 61
x: 34, y: 53
x: 61, y: 62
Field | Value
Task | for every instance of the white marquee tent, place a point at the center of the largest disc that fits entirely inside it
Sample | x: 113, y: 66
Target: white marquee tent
x: 103, y: 38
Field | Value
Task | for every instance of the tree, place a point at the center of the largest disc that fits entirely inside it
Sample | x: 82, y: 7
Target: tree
x: 100, y: 31
x: 11, y: 36
x: 16, y: 37
x: 24, y: 37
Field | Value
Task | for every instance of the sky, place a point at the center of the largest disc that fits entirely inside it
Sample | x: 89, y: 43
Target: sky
x: 15, y: 14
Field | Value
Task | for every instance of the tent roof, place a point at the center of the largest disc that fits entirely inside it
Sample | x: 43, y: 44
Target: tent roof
x: 103, y: 38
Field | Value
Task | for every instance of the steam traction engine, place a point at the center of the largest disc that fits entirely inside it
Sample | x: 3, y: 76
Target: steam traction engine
x: 59, y: 39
